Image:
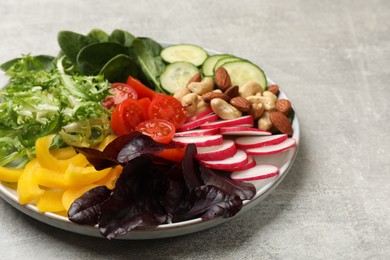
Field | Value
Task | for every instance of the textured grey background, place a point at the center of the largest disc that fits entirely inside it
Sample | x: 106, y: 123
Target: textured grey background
x: 332, y: 58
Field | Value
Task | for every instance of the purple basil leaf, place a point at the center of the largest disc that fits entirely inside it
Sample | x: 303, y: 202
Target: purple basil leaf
x: 98, y: 159
x: 135, y: 200
x: 208, y: 202
x: 244, y: 191
x: 86, y: 209
x: 190, y: 168
x: 176, y: 190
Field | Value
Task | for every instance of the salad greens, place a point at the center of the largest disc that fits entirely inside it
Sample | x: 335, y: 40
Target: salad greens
x: 62, y: 95
x: 39, y: 101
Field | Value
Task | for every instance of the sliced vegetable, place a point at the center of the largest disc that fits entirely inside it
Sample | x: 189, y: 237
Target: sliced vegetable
x: 176, y: 76
x: 119, y: 92
x: 160, y: 130
x: 142, y: 90
x: 242, y: 72
x: 184, y: 52
x: 224, y: 60
x: 167, y: 108
x: 126, y: 116
x: 209, y: 63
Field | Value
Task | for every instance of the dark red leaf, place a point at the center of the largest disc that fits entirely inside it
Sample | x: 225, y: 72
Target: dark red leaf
x: 86, y: 209
x: 191, y: 168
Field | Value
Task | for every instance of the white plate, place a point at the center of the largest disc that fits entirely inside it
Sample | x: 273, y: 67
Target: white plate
x: 265, y: 187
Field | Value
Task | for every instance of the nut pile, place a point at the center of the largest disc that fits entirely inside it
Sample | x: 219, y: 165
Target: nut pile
x: 229, y: 102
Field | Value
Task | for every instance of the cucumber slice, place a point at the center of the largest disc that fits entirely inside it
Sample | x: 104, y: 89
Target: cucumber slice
x: 209, y: 63
x: 184, y: 52
x: 225, y: 60
x: 176, y: 76
x: 242, y: 71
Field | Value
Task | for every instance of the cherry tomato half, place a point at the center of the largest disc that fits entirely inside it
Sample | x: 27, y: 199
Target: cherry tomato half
x: 119, y: 92
x: 160, y: 130
x: 167, y: 108
x: 126, y: 116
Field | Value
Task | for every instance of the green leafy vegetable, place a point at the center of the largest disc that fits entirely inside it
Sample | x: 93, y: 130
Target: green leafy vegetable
x: 98, y: 35
x: 71, y: 43
x: 122, y: 37
x: 37, y: 102
x: 119, y: 68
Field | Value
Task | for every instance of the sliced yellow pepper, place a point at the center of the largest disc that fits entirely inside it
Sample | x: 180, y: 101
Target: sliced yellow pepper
x: 10, y: 174
x: 105, y: 142
x: 49, y: 178
x: 70, y: 195
x: 51, y: 200
x: 45, y: 158
x: 64, y: 153
x: 28, y: 188
x: 77, y: 176
x: 110, y: 179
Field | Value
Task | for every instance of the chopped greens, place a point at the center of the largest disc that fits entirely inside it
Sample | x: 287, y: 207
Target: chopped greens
x: 40, y: 100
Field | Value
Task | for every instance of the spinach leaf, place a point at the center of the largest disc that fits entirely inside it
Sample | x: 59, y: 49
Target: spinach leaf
x: 122, y: 37
x: 92, y: 58
x: 71, y: 43
x: 148, y: 56
x: 98, y: 35
x: 119, y: 68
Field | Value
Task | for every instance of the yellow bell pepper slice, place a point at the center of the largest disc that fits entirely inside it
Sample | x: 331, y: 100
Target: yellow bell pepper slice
x: 45, y: 158
x: 28, y: 188
x: 105, y: 142
x: 110, y: 179
x: 10, y: 174
x: 77, y: 176
x: 70, y: 195
x: 64, y: 153
x: 51, y: 201
x: 49, y: 178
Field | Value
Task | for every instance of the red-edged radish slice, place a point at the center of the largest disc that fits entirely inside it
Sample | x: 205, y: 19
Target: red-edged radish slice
x: 200, y: 115
x: 242, y: 130
x: 258, y: 172
x: 247, y: 142
x: 273, y: 149
x: 239, y: 159
x: 199, y: 141
x: 198, y: 132
x: 250, y: 164
x: 214, y: 153
x: 230, y: 122
x: 196, y: 123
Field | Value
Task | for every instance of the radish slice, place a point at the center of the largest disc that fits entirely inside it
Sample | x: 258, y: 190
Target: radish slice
x: 242, y: 130
x: 273, y: 149
x: 250, y: 164
x: 214, y: 153
x: 199, y: 132
x: 239, y: 159
x: 200, y: 115
x: 255, y: 141
x: 258, y: 172
x: 230, y: 122
x: 199, y: 141
x: 196, y: 123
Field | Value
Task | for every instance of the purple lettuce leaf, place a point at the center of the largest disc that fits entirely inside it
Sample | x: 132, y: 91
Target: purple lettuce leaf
x: 86, y: 209
x: 191, y: 172
x: 220, y: 179
x: 207, y: 202
x: 135, y: 200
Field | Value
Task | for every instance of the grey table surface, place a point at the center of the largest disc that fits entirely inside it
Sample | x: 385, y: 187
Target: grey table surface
x: 332, y: 58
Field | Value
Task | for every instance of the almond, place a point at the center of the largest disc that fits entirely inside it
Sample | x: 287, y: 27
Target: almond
x: 222, y: 79
x: 241, y: 104
x: 196, y: 78
x: 274, y: 89
x: 284, y: 106
x: 281, y: 122
x: 232, y: 91
x: 207, y: 97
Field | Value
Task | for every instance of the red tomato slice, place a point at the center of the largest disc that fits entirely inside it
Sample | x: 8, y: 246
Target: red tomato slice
x: 160, y: 130
x: 126, y: 116
x: 173, y: 154
x: 141, y: 89
x: 167, y: 108
x: 145, y: 103
x: 119, y: 92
